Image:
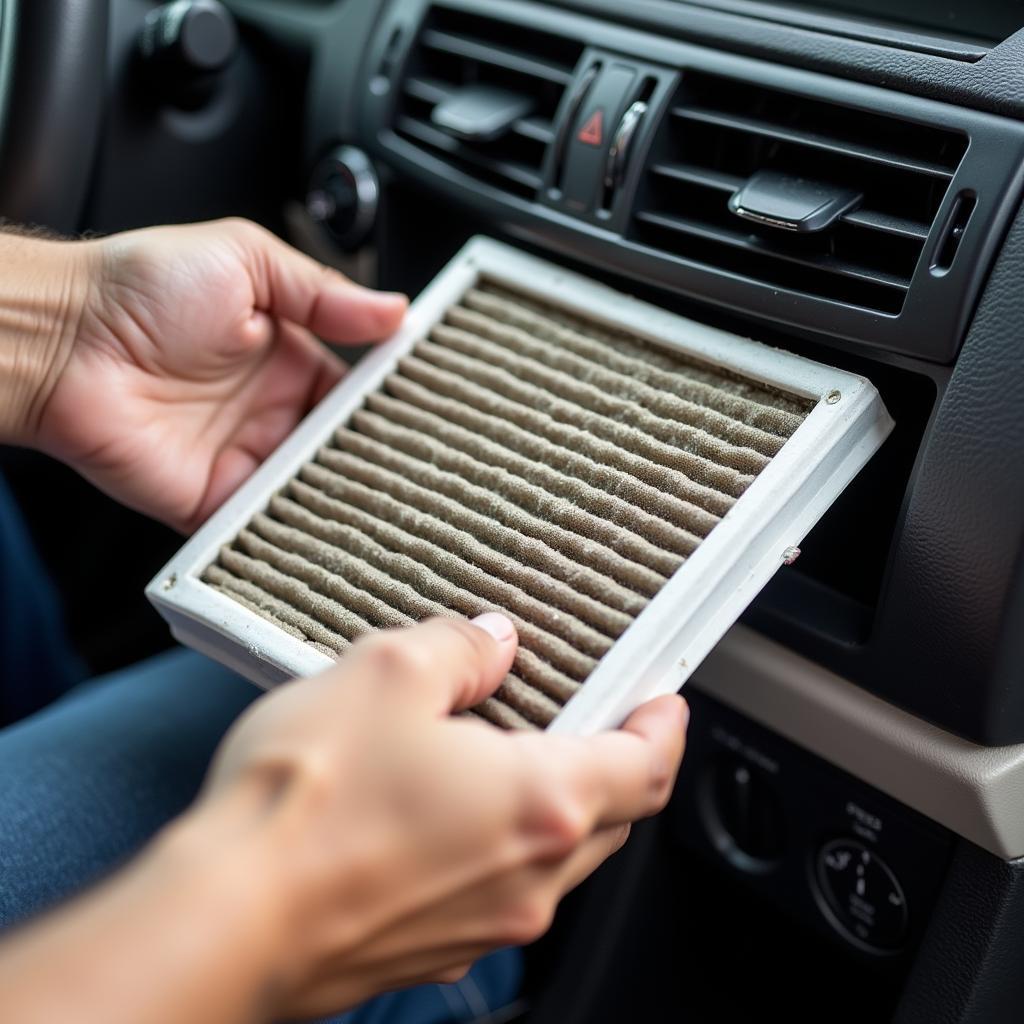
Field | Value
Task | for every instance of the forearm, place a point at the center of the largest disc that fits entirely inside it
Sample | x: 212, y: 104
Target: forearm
x: 188, y: 932
x: 43, y: 288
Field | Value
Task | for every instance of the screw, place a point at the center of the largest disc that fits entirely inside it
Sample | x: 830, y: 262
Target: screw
x: 790, y: 555
x: 833, y: 396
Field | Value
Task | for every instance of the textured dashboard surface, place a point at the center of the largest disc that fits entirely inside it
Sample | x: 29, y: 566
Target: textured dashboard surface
x: 995, y: 83
x: 957, y: 572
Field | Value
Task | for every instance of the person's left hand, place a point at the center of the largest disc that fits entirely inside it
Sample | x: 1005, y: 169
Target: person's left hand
x: 194, y: 357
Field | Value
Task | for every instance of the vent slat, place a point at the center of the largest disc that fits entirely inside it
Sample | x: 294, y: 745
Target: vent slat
x: 826, y: 263
x: 859, y: 151
x: 489, y: 53
x: 720, y: 132
x: 429, y: 90
x: 439, y: 140
x: 534, y: 128
x: 888, y: 224
x: 872, y: 220
x: 703, y: 176
x: 458, y: 49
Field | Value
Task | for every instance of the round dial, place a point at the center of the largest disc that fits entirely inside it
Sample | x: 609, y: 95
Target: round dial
x: 743, y: 815
x: 861, y: 896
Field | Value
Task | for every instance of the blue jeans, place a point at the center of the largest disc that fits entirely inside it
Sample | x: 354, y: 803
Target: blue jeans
x: 86, y: 781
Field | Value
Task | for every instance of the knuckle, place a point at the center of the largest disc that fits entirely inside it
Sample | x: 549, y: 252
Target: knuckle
x: 564, y: 821
x: 529, y: 920
x: 318, y: 768
x: 570, y: 825
x: 394, y: 658
x: 244, y: 227
x: 660, y: 787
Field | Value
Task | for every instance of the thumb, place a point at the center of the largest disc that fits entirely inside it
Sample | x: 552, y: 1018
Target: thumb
x: 438, y: 666
x: 292, y: 286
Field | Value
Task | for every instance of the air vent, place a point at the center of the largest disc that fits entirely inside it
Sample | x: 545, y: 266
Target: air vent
x: 501, y: 84
x: 719, y: 133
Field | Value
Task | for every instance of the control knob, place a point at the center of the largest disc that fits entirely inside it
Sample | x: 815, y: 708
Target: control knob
x: 184, y: 45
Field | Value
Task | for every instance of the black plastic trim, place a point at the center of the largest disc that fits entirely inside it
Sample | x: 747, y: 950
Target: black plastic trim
x: 937, y: 310
x: 991, y: 83
x: 863, y: 29
x: 51, y: 106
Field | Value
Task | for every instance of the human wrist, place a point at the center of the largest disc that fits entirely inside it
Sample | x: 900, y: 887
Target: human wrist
x: 44, y: 289
x: 312, y: 897
x: 246, y: 846
x: 221, y: 858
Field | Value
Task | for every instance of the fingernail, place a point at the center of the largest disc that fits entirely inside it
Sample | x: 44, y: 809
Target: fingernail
x: 499, y: 626
x: 686, y: 713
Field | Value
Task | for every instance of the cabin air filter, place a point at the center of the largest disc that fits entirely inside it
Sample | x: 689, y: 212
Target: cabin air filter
x: 617, y: 479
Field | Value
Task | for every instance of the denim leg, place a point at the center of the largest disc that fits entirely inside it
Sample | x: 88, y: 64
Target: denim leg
x: 37, y: 661
x: 492, y: 984
x: 88, y: 781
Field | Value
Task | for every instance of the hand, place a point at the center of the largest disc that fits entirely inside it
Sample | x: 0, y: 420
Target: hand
x: 401, y: 844
x: 351, y: 838
x: 193, y: 357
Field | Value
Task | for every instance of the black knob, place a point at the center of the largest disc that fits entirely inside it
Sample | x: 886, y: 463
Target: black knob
x: 743, y: 813
x: 343, y: 194
x: 185, y: 44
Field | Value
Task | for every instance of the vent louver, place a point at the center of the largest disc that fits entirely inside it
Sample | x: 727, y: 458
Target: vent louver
x: 718, y: 132
x: 457, y: 51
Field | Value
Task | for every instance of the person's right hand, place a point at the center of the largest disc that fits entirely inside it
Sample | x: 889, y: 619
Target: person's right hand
x: 400, y: 843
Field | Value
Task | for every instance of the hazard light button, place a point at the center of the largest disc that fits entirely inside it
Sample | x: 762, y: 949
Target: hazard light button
x: 586, y: 155
x: 592, y: 132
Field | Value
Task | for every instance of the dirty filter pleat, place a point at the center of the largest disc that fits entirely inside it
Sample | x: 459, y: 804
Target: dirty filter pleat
x: 523, y: 459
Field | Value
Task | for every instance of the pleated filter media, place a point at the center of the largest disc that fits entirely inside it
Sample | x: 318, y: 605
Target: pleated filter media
x: 618, y: 480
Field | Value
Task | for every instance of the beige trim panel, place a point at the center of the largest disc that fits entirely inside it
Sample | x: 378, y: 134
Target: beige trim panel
x: 977, y: 792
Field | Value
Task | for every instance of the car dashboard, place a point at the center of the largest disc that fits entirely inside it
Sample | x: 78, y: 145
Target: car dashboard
x: 839, y: 180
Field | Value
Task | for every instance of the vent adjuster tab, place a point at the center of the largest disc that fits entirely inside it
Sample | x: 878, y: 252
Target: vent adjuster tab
x: 790, y: 203
x: 481, y: 113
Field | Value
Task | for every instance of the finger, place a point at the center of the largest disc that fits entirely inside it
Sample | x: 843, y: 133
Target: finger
x: 443, y: 664
x: 294, y: 286
x: 625, y: 774
x: 301, y: 370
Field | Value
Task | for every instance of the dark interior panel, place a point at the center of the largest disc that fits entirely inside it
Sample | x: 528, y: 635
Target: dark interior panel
x: 694, y: 922
x: 911, y: 587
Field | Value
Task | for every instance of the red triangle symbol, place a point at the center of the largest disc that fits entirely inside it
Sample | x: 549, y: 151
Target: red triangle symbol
x: 591, y: 132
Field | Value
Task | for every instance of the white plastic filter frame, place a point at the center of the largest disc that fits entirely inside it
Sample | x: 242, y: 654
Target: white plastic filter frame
x: 695, y: 607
